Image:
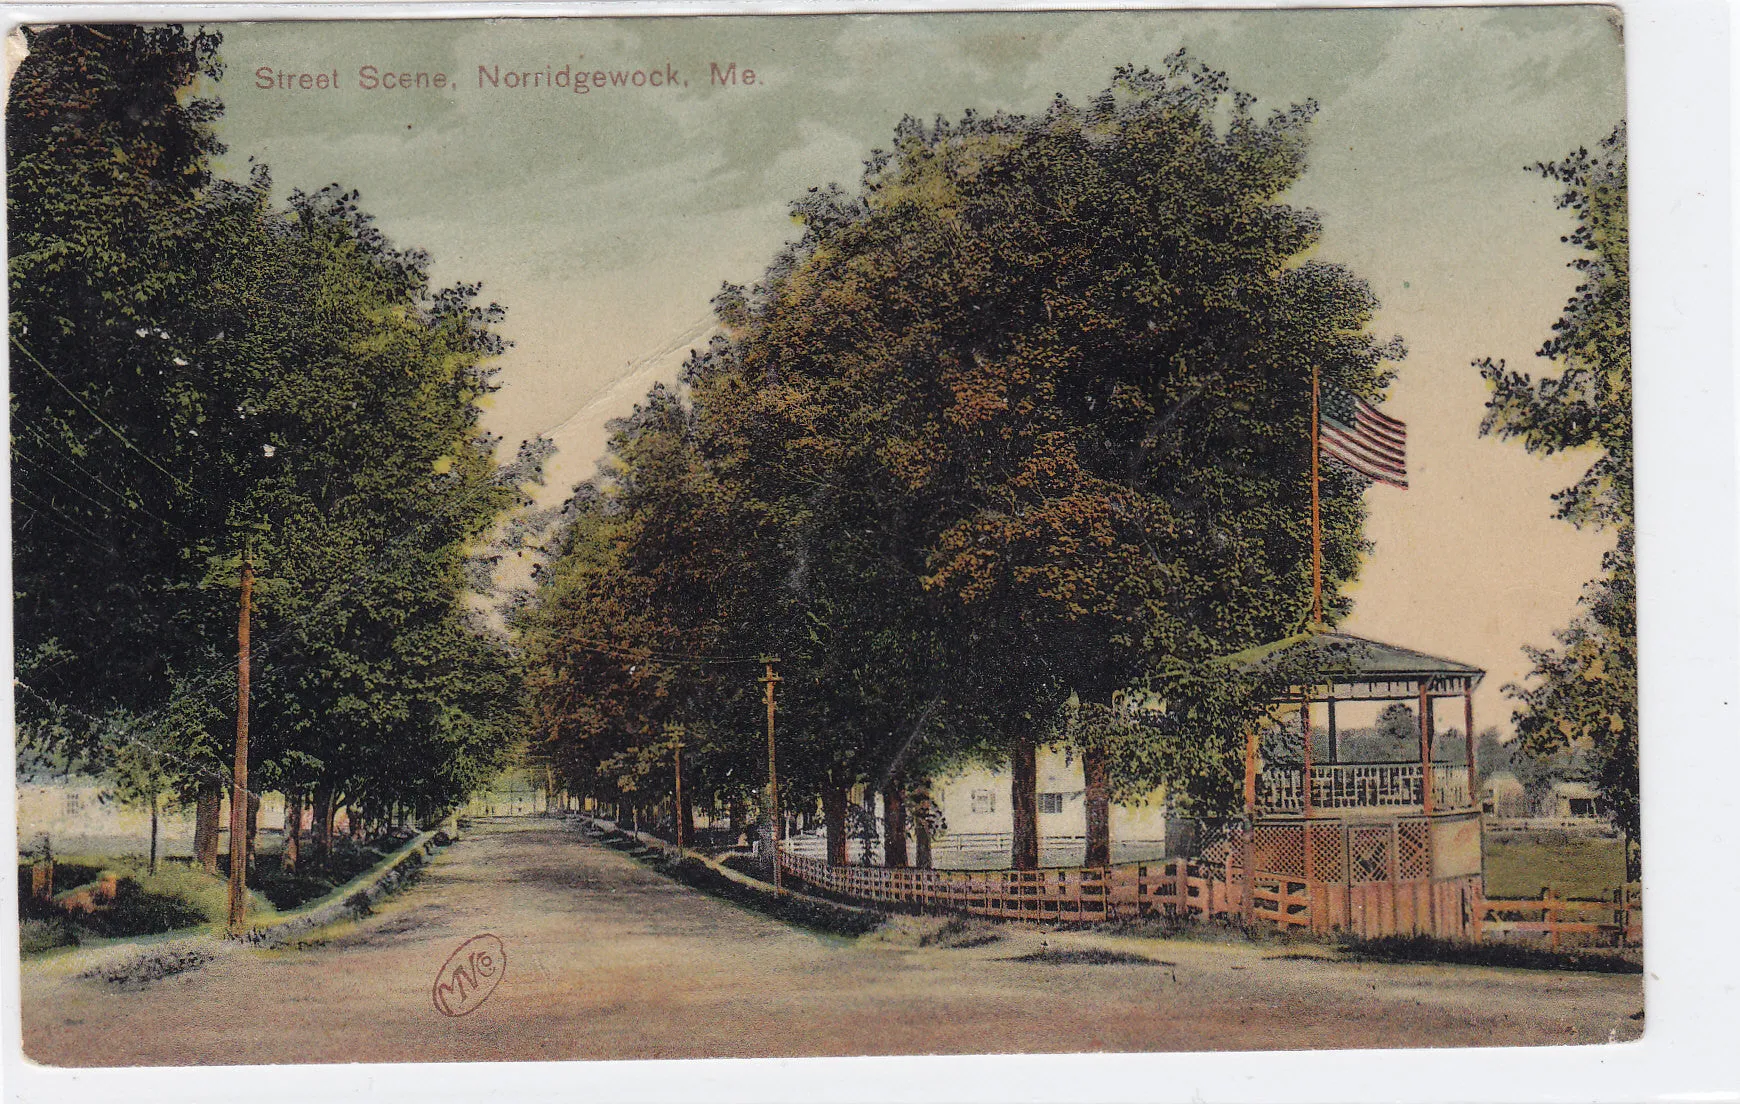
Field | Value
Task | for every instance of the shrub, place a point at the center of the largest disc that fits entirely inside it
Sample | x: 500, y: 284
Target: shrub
x: 288, y: 889
x: 137, y: 910
x: 1420, y: 948
x: 37, y: 936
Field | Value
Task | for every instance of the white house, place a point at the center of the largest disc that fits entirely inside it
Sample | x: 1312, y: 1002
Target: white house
x: 79, y: 815
x: 978, y: 822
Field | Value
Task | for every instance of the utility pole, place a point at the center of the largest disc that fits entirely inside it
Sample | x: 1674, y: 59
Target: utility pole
x: 1316, y: 509
x: 239, y: 790
x: 769, y: 680
x: 676, y: 732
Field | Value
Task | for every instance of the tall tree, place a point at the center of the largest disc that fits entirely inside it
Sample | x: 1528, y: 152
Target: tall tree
x: 107, y: 159
x: 1583, y: 693
x: 202, y: 377
x: 1072, y: 352
x: 1023, y: 419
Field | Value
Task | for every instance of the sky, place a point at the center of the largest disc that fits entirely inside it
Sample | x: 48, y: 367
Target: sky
x: 604, y: 222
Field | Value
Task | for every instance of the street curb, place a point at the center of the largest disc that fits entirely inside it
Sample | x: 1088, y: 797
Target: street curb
x: 349, y: 900
x: 774, y: 899
x: 340, y: 904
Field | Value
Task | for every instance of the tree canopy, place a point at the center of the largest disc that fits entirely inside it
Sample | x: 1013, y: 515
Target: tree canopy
x: 202, y: 376
x: 1027, y: 417
x: 1583, y: 693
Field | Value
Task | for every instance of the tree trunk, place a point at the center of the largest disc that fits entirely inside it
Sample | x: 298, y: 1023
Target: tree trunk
x: 292, y: 829
x: 253, y: 826
x: 737, y: 825
x: 922, y: 812
x: 151, y: 867
x: 1024, y: 804
x: 686, y: 811
x: 208, y: 807
x: 1098, y: 800
x: 894, y: 825
x: 834, y: 820
x: 198, y: 826
x: 322, y: 826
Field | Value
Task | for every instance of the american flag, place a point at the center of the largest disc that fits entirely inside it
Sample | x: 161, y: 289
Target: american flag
x: 1352, y: 431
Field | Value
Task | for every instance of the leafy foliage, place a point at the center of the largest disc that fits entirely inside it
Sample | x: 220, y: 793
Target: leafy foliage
x: 1583, y: 693
x: 202, y: 377
x: 1025, y: 417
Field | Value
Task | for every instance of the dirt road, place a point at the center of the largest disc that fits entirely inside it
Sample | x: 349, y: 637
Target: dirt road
x: 606, y: 959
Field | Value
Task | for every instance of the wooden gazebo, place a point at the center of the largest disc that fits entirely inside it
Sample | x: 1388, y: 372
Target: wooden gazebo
x: 1377, y: 848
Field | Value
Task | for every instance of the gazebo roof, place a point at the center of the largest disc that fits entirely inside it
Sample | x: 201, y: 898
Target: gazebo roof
x: 1355, y: 662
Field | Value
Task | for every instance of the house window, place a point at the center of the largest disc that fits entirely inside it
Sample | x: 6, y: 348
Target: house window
x: 984, y: 801
x: 1582, y: 806
x: 1051, y: 803
x: 72, y: 804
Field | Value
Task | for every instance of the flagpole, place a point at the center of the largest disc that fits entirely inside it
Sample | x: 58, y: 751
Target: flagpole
x: 1316, y: 514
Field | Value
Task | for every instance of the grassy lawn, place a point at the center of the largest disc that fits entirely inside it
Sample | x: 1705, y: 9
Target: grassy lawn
x: 180, y: 895
x: 1577, y: 867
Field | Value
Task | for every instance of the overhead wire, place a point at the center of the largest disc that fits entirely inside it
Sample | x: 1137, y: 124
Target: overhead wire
x: 374, y: 569
x: 48, y: 470
x: 122, y: 437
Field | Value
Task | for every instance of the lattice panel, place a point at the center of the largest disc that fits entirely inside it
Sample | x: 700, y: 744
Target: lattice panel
x: 1215, y: 844
x: 1369, y: 854
x: 1413, y: 857
x: 1281, y: 849
x: 1326, y: 857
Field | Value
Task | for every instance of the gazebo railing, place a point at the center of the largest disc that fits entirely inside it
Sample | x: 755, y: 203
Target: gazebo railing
x: 1363, y: 786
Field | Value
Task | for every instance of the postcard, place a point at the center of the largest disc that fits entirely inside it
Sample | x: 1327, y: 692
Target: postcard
x: 752, y: 536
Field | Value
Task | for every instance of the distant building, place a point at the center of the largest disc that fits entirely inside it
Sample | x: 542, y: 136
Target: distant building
x: 79, y: 815
x: 978, y: 816
x: 1575, y: 801
x: 978, y: 819
x: 1504, y: 795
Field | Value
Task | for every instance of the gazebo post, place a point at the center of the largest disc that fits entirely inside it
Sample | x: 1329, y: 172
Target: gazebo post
x: 1426, y: 746
x: 1468, y: 736
x: 1426, y: 802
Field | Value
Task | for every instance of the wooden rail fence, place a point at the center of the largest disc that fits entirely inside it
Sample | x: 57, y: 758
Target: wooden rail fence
x: 1447, y: 908
x: 1617, y: 921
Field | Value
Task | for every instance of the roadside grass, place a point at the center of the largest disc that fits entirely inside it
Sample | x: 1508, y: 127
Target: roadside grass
x: 1085, y: 956
x: 1582, y: 867
x: 1522, y: 956
x: 792, y: 908
x: 962, y: 933
x: 174, y: 897
x: 179, y: 897
x: 747, y: 890
x: 154, y: 959
x: 39, y: 935
x: 293, y: 889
